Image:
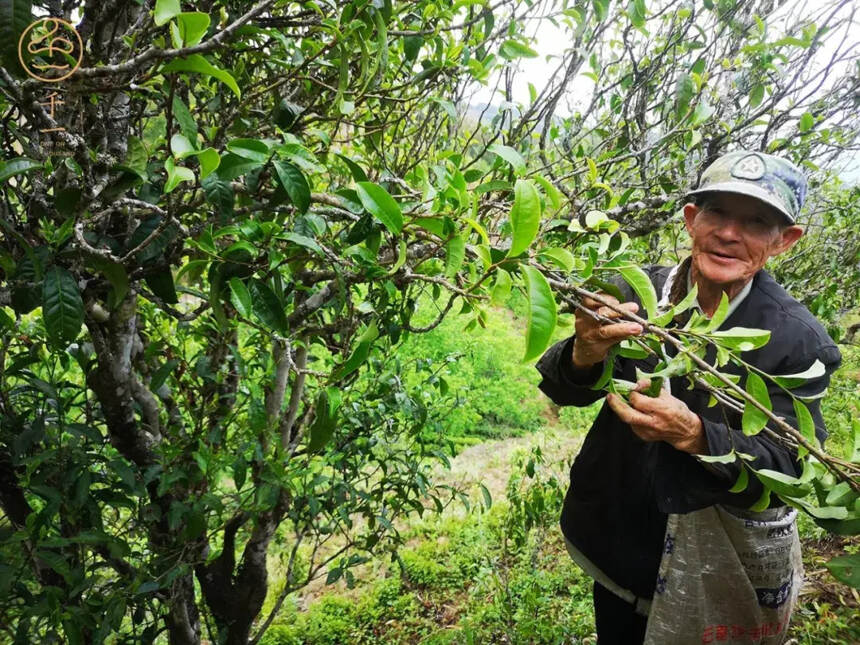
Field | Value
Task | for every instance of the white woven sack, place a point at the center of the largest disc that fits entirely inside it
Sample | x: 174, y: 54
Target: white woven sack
x: 726, y: 576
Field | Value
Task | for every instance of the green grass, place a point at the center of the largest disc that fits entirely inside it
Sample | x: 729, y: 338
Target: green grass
x: 842, y: 403
x: 499, y: 395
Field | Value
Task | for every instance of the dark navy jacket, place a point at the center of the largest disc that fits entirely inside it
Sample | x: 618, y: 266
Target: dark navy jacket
x: 622, y: 488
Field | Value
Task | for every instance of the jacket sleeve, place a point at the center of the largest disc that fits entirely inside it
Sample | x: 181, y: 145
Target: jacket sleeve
x: 697, y: 485
x: 563, y: 383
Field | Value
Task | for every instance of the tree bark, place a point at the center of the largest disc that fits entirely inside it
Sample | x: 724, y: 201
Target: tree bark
x: 183, y: 619
x: 236, y: 601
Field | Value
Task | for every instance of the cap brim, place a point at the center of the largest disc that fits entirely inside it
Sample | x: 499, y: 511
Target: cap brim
x: 744, y: 188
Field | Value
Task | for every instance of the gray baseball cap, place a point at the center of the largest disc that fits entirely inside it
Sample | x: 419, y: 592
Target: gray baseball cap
x: 775, y: 181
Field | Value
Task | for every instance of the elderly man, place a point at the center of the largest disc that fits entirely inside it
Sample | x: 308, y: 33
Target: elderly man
x: 637, y: 463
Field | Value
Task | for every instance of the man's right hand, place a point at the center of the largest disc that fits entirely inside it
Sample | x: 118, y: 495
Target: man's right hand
x: 593, y: 338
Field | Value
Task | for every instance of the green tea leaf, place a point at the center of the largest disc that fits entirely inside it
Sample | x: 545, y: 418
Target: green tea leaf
x: 16, y: 166
x: 756, y: 95
x: 6, y: 321
x: 411, y: 46
x: 240, y: 471
x: 162, y: 286
x: 592, y: 177
x: 510, y: 155
x: 295, y: 184
x: 183, y: 117
x: 621, y: 386
x: 782, y: 484
x: 116, y: 275
x: 455, y: 253
x: 561, y: 257
x: 637, y: 13
x: 720, y: 314
x: 180, y: 146
x: 814, y: 371
x: 233, y: 166
x: 628, y: 349
x: 841, y: 495
x: 502, y: 288
x: 401, y: 259
x: 493, y: 186
x: 753, y: 419
x: 641, y: 284
x: 553, y: 194
x: 512, y: 49
x: 192, y: 26
x: 215, y: 300
x: 302, y: 240
x: 742, y: 338
x: 199, y: 65
x: 355, y: 170
x: 136, y: 157
x: 525, y: 216
x: 763, y: 501
x: 219, y: 193
x: 607, y: 287
x: 324, y: 423
x: 479, y: 229
x: 805, y: 424
x: 240, y: 297
x: 542, y: 313
x: 252, y: 149
x: 165, y: 10
x: 688, y: 301
x: 160, y: 375
x: 685, y: 89
x: 380, y: 204
x: 359, y: 354
x: 15, y: 17
x: 702, y: 113
x: 267, y: 307
x: 62, y: 306
x: 728, y: 458
x: 488, y: 499
x: 209, y: 161
x: 176, y: 174
x: 741, y: 482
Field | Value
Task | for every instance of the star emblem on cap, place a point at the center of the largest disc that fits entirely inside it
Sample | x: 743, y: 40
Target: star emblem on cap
x: 750, y: 167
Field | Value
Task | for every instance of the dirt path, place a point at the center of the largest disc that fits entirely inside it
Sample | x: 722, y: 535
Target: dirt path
x: 491, y: 462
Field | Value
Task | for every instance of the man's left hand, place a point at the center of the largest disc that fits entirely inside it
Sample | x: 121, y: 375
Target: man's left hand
x: 661, y: 418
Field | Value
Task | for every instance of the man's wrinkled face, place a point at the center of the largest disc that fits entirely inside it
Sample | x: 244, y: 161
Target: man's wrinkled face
x: 733, y: 236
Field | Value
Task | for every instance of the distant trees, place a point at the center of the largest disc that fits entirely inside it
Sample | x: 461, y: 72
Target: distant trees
x: 205, y: 275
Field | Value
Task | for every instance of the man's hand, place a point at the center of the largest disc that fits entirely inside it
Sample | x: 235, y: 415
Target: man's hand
x: 661, y: 418
x: 594, y: 339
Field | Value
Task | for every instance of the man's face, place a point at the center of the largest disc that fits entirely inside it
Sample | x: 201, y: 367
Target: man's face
x: 733, y: 237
